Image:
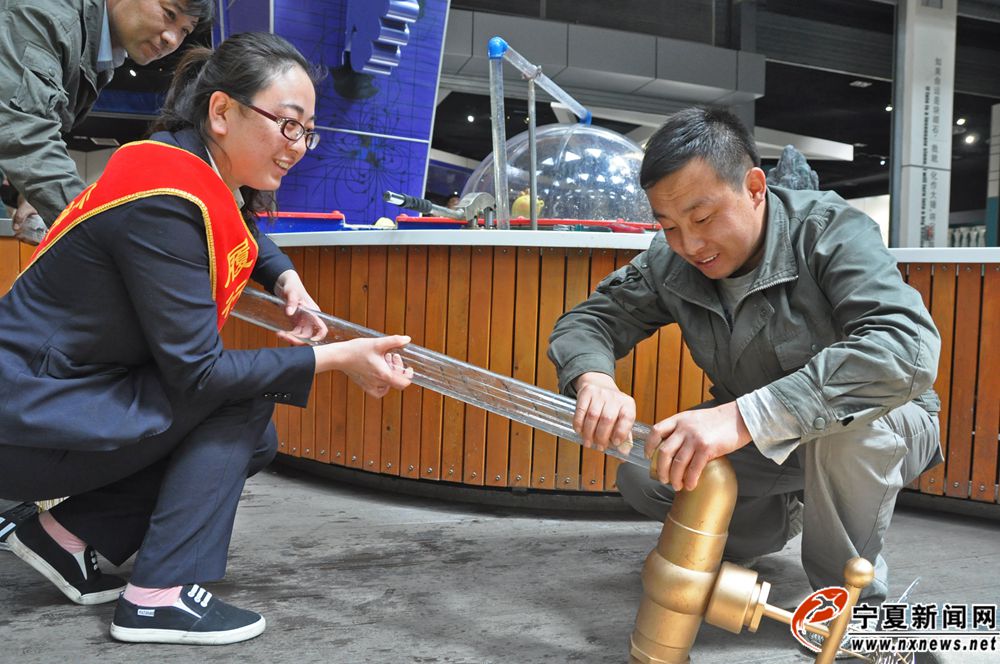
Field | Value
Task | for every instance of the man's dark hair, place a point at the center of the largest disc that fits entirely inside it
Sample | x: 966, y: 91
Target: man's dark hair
x: 712, y: 134
x: 203, y: 10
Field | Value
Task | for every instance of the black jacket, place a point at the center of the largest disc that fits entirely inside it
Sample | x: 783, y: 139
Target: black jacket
x: 116, y: 321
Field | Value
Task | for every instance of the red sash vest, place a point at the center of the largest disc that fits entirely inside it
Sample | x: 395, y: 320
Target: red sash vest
x: 149, y: 168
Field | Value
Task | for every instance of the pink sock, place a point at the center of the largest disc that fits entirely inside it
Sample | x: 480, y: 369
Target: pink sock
x: 151, y: 596
x: 63, y: 537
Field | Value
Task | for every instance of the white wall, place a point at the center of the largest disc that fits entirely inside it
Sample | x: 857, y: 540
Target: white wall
x: 876, y: 207
x: 91, y: 164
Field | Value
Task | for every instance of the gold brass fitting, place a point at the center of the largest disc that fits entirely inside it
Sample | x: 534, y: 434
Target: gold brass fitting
x: 679, y: 574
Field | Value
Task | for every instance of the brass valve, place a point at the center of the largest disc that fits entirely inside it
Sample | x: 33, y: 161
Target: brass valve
x: 684, y: 579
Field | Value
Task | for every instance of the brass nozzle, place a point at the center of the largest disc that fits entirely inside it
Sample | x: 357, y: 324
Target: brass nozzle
x: 679, y: 574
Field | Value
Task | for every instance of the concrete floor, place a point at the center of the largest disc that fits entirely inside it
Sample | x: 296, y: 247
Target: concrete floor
x: 347, y: 575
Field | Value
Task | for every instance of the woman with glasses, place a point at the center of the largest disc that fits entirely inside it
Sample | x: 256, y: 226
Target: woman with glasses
x: 114, y: 386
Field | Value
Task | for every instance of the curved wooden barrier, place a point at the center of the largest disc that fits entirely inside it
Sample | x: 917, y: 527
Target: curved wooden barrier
x: 494, y: 306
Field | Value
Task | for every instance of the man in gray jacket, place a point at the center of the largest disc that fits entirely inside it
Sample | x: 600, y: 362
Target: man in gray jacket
x: 820, y: 356
x: 54, y: 59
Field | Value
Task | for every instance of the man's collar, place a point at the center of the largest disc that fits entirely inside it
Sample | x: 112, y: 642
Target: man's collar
x: 108, y: 57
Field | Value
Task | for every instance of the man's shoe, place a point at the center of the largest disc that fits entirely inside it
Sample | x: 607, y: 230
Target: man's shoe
x: 75, y: 574
x: 818, y: 641
x: 795, y: 520
x: 11, y: 518
x: 196, y: 618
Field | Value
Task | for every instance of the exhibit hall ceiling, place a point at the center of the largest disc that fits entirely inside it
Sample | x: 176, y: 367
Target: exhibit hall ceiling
x: 828, y: 75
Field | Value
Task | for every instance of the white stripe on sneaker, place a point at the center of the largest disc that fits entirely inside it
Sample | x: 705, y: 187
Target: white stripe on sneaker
x: 6, y: 529
x: 179, y: 604
x: 81, y: 560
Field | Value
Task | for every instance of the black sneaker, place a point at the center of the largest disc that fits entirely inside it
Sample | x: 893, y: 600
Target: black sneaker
x: 842, y: 654
x: 9, y: 520
x: 75, y: 574
x: 196, y: 618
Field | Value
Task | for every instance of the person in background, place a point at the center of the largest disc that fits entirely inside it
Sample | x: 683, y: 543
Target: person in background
x: 115, y: 389
x: 57, y: 56
x: 821, y: 358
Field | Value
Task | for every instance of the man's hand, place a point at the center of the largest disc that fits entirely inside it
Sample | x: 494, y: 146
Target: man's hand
x: 28, y: 227
x: 604, y: 414
x: 687, y: 441
x: 289, y: 288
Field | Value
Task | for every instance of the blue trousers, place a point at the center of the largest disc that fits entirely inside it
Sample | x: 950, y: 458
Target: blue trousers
x: 171, y: 498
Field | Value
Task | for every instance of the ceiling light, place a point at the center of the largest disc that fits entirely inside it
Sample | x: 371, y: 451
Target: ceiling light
x: 860, y: 84
x: 960, y: 122
x: 888, y: 108
x: 881, y: 162
x: 860, y: 145
x: 470, y: 118
x: 970, y: 139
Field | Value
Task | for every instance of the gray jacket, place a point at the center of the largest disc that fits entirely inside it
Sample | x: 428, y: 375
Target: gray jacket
x: 828, y: 325
x: 48, y: 83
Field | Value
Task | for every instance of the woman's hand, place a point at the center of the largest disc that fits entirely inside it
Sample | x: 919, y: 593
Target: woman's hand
x: 374, y: 364
x: 289, y: 287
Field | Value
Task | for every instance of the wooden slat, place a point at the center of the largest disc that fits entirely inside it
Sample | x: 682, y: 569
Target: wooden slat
x: 356, y: 401
x: 525, y: 357
x: 24, y: 252
x: 668, y: 387
x: 377, y: 284
x: 984, y: 459
x: 623, y: 377
x: 290, y: 417
x: 340, y: 413
x: 10, y: 263
x: 918, y: 276
x: 310, y: 279
x: 602, y: 263
x: 480, y: 288
x: 568, y: 453
x: 395, y: 318
x: 963, y: 381
x: 943, y: 313
x: 553, y: 276
x: 501, y: 359
x: 416, y: 301
x: 691, y: 381
x: 325, y: 296
x: 294, y: 413
x: 457, y: 344
x: 434, y: 338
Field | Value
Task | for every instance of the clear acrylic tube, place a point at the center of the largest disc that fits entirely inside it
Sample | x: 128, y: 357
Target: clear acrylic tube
x: 502, y: 395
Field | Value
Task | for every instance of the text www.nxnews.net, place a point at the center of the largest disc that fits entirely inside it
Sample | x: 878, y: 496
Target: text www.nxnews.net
x: 924, y: 644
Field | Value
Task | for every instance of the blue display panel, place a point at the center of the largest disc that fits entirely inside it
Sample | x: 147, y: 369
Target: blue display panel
x: 349, y: 172
x: 376, y: 129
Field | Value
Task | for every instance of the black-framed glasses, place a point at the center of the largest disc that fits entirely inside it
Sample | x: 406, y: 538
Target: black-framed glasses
x: 291, y: 129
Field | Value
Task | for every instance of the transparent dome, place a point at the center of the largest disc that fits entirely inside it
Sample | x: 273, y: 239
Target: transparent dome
x: 584, y: 172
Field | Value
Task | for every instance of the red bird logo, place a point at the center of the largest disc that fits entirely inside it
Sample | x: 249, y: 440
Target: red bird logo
x: 821, y: 607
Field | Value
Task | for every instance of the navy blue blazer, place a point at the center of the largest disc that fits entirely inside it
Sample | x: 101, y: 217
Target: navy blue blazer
x: 116, y: 322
